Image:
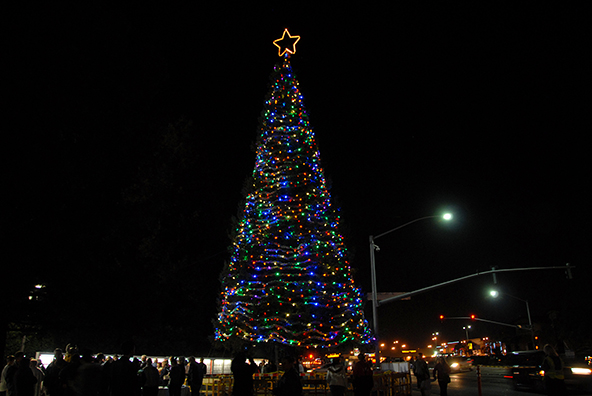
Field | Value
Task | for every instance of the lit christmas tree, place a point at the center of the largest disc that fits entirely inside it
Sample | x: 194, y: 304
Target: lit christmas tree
x: 288, y: 279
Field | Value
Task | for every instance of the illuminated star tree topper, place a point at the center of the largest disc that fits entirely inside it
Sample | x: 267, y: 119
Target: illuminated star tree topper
x: 286, y: 44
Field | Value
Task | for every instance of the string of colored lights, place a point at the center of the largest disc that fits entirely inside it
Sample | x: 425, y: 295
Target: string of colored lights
x: 288, y: 279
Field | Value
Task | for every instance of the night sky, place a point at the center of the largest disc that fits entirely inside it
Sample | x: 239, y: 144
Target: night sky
x: 481, y: 111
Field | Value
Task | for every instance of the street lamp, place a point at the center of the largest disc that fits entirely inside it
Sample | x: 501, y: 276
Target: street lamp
x: 375, y: 303
x: 466, y: 329
x: 495, y: 294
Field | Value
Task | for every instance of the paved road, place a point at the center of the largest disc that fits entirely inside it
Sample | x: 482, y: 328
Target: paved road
x: 493, y: 383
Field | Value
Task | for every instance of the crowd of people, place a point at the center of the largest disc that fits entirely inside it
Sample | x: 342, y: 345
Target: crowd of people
x: 290, y: 384
x: 79, y: 373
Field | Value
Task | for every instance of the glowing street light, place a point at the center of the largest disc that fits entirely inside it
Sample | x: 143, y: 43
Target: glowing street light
x: 466, y: 329
x: 373, y: 248
x: 496, y: 293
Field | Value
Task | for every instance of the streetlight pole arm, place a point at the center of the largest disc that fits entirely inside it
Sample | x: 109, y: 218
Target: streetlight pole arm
x: 401, y: 226
x: 529, y: 318
x: 517, y: 298
x: 375, y: 302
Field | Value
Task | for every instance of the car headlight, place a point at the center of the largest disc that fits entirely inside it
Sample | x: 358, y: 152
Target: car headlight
x: 455, y: 365
x: 581, y: 371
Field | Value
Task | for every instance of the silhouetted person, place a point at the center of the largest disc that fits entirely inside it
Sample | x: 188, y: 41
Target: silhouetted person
x: 363, y: 379
x: 299, y: 366
x: 11, y: 374
x: 289, y: 384
x: 10, y: 361
x: 183, y: 363
x: 177, y: 378
x: 52, y: 382
x: 243, y: 375
x: 270, y: 367
x: 38, y: 374
x: 124, y: 374
x: 143, y: 361
x: 69, y: 374
x: 164, y: 372
x: 442, y: 373
x: 203, y: 370
x: 24, y: 380
x: 89, y: 376
x: 195, y: 376
x: 422, y: 373
x: 553, y: 366
x: 149, y: 379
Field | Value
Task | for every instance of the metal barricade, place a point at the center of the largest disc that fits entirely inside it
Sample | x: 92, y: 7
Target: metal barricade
x: 385, y: 384
x: 392, y: 384
x: 263, y: 383
x: 314, y: 386
x: 217, y: 385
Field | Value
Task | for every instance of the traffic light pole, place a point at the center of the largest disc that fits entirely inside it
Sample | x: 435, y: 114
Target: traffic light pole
x: 481, y: 320
x: 567, y: 268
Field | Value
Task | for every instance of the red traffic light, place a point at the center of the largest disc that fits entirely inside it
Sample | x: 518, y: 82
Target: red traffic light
x: 473, y: 317
x: 441, y: 317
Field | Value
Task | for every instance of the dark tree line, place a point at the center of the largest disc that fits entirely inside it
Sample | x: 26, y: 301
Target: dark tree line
x: 119, y: 245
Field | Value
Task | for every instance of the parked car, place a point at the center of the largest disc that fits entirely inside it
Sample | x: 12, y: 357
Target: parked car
x: 459, y: 363
x: 526, y: 372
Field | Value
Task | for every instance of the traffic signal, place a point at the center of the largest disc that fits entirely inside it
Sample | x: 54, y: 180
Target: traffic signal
x: 441, y: 318
x: 473, y: 317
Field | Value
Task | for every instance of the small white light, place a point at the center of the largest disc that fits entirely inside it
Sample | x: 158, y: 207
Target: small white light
x: 447, y: 216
